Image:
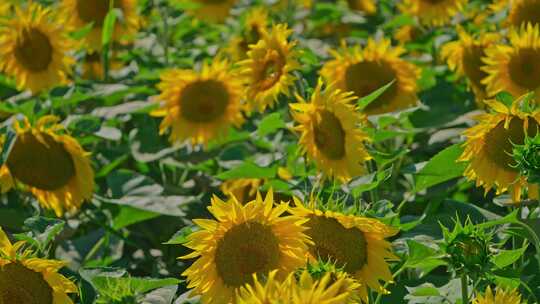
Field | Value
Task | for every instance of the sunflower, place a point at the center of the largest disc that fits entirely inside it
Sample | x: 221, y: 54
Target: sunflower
x: 33, y: 49
x: 83, y: 12
x: 514, y: 68
x: 26, y: 279
x: 268, y: 69
x: 363, y: 71
x: 357, y: 244
x: 254, y: 25
x: 93, y: 65
x: 433, y: 12
x: 523, y: 12
x: 501, y: 296
x: 212, y: 10
x: 51, y: 165
x: 330, y: 134
x: 489, y: 145
x: 243, y: 189
x: 254, y: 238
x: 367, y: 6
x: 407, y: 33
x: 200, y: 105
x: 465, y: 57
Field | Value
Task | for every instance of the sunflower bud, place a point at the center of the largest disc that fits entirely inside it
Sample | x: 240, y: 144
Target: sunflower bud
x: 527, y: 158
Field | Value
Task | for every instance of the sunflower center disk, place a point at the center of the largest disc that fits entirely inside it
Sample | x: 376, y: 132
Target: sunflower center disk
x: 433, y: 2
x: 95, y: 10
x: 271, y: 70
x: 472, y: 59
x: 204, y: 101
x: 329, y: 136
x: 364, y: 78
x: 347, y: 247
x: 19, y: 284
x: 246, y: 249
x: 33, y: 50
x: 527, y: 12
x: 42, y: 162
x: 499, y: 141
x: 524, y: 68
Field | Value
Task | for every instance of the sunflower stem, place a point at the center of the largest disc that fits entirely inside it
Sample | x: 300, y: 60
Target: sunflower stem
x: 464, y: 289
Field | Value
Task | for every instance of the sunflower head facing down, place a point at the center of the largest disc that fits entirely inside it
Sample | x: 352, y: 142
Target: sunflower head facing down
x: 363, y: 71
x: 329, y: 128
x: 489, y: 145
x: 500, y: 296
x: 212, y: 10
x: 268, y: 70
x: 51, y: 165
x: 356, y: 244
x: 200, y: 105
x: 433, y: 12
x: 515, y: 68
x: 464, y: 56
x: 84, y: 12
x: 523, y: 12
x: 26, y: 279
x: 243, y: 240
x: 33, y: 49
x: 252, y: 30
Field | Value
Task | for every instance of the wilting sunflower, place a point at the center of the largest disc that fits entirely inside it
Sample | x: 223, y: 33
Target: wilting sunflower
x: 465, y: 57
x: 33, y: 49
x: 51, y: 165
x: 489, y: 145
x: 254, y: 238
x: 200, y: 105
x: 26, y: 279
x: 523, y: 12
x: 357, y: 244
x: 514, y: 68
x: 501, y: 296
x: 330, y: 133
x: 243, y: 189
x: 367, y: 6
x: 212, y: 10
x: 268, y: 69
x: 254, y: 25
x: 433, y: 12
x: 83, y: 12
x: 363, y: 71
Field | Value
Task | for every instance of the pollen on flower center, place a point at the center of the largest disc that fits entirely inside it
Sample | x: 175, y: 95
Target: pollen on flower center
x: 95, y: 10
x: 329, y: 135
x: 204, y: 101
x: 19, y: 284
x: 34, y: 50
x: 40, y: 162
x: 365, y: 77
x: 472, y: 63
x: 524, y: 68
x: 347, y: 247
x: 245, y: 249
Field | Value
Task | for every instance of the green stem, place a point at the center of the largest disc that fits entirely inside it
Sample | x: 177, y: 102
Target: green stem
x: 464, y: 289
x: 396, y: 274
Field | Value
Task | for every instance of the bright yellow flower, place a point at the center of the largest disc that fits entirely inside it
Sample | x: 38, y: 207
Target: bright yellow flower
x: 83, y: 12
x: 514, y: 68
x: 367, y: 6
x: 363, y: 71
x: 434, y: 13
x: 200, y: 105
x: 212, y: 10
x: 25, y: 279
x: 268, y: 69
x: 501, y: 296
x: 243, y: 240
x: 33, y: 49
x: 50, y: 164
x: 489, y: 145
x: 523, y: 12
x: 243, y: 189
x: 253, y: 28
x: 407, y: 33
x: 329, y: 128
x: 355, y: 243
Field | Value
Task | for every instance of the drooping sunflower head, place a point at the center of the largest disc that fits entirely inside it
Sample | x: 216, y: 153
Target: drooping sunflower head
x: 355, y: 244
x: 26, y: 279
x: 51, y: 165
x: 200, y: 105
x: 433, y: 12
x: 33, y: 49
x: 243, y: 240
x: 465, y: 58
x: 363, y: 71
x: 329, y: 131
x: 243, y: 189
x: 367, y: 6
x: 515, y: 68
x: 268, y: 70
x: 500, y: 296
x: 83, y: 12
x: 254, y: 26
x: 212, y: 10
x: 523, y: 12
x: 489, y: 145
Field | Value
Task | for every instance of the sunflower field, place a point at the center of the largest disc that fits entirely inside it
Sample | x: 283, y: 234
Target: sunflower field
x: 269, y: 151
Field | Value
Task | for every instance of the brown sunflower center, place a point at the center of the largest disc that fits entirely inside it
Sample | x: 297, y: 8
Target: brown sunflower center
x: 329, y: 136
x: 524, y: 68
x: 434, y: 2
x: 472, y: 64
x: 245, y: 249
x: 204, y: 101
x: 41, y: 162
x: 347, y: 247
x: 499, y: 141
x: 528, y: 11
x: 271, y: 70
x: 95, y: 10
x: 364, y: 78
x: 33, y: 50
x: 19, y: 285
